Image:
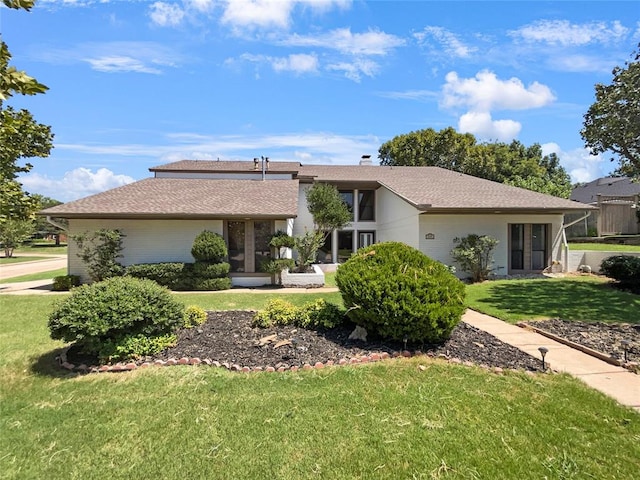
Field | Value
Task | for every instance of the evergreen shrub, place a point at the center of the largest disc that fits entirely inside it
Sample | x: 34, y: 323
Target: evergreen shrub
x: 623, y: 268
x: 316, y: 314
x: 211, y: 284
x: 209, y: 247
x: 64, y: 283
x: 399, y: 293
x: 134, y: 347
x: 194, y: 316
x: 94, y: 315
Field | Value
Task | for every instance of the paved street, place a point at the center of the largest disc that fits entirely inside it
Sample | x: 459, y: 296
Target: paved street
x: 53, y: 262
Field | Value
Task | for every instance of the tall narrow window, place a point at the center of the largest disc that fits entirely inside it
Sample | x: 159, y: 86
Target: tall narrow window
x: 538, y: 246
x: 365, y: 239
x: 347, y: 197
x: 345, y: 245
x: 517, y: 246
x: 366, y: 205
x: 236, y: 238
x: 262, y: 237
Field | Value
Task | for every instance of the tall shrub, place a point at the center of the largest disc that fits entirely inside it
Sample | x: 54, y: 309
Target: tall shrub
x: 209, y: 247
x: 99, y: 251
x: 399, y: 293
x: 474, y: 254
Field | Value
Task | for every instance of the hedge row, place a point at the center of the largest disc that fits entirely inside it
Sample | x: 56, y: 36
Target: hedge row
x: 180, y: 276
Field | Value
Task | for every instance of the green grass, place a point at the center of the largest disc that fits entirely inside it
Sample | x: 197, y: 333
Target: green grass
x: 19, y: 259
x: 36, y: 276
x: 330, y: 279
x: 604, y: 247
x: 588, y: 299
x: 381, y: 421
x: 48, y: 248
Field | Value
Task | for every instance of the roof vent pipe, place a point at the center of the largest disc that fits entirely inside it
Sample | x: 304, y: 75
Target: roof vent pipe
x: 365, y: 160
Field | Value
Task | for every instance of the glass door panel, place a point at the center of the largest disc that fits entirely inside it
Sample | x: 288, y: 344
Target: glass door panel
x: 236, y: 233
x: 517, y: 246
x: 262, y: 237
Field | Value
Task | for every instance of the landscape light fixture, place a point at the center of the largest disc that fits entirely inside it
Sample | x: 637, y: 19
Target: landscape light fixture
x: 543, y: 351
x: 625, y: 345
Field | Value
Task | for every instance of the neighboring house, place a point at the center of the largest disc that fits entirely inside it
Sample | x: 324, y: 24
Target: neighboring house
x: 617, y: 202
x: 246, y: 202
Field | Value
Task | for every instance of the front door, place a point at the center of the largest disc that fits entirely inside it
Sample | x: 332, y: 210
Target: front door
x: 528, y: 247
x: 248, y: 243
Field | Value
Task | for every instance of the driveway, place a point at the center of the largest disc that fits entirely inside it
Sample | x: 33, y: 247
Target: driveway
x: 53, y: 262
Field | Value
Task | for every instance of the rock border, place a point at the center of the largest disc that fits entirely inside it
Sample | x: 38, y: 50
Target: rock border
x: 374, y: 357
x: 631, y: 366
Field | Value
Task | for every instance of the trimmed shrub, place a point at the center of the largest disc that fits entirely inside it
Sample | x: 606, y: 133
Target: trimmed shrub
x: 168, y: 274
x: 112, y: 309
x: 321, y: 314
x: 65, y: 283
x: 316, y: 314
x: 399, y: 293
x: 205, y: 270
x: 133, y: 347
x: 194, y: 316
x: 211, y: 284
x: 474, y: 254
x: 623, y: 268
x: 209, y: 247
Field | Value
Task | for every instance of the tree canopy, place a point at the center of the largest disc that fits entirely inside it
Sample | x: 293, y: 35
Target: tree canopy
x: 21, y: 137
x: 612, y: 123
x: 511, y: 163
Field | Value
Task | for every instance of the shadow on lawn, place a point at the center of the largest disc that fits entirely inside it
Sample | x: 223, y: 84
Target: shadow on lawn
x: 47, y: 365
x: 586, y: 301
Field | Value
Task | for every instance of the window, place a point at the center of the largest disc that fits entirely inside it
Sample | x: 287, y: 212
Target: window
x: 345, y: 245
x: 365, y: 239
x: 347, y: 197
x: 248, y: 244
x: 529, y: 246
x: 366, y: 205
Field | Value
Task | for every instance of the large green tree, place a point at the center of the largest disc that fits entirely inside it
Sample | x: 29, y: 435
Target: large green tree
x: 612, y: 123
x: 21, y: 137
x: 511, y: 163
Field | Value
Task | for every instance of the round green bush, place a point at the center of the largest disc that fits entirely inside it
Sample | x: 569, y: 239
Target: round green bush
x: 112, y: 309
x: 623, y: 268
x: 209, y: 247
x: 399, y: 293
x: 194, y: 316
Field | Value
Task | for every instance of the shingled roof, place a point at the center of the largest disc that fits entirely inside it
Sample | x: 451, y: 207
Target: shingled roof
x: 187, y: 198
x: 608, y: 186
x: 226, y: 166
x: 435, y: 188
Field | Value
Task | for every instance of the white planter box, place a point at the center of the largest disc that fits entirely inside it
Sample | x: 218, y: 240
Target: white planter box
x: 303, y: 280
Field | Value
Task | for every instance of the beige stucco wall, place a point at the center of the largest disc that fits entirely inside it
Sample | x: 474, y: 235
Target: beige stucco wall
x: 397, y: 220
x: 146, y: 241
x: 447, y: 227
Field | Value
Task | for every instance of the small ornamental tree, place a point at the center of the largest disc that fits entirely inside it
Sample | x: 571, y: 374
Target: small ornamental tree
x: 474, y: 254
x: 211, y: 270
x: 13, y: 233
x: 329, y: 213
x: 397, y: 292
x: 209, y: 247
x: 99, y: 251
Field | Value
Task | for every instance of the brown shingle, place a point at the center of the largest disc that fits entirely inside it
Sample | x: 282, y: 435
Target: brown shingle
x: 172, y: 197
x: 225, y: 166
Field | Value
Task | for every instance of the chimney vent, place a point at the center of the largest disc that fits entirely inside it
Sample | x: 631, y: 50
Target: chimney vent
x: 365, y: 160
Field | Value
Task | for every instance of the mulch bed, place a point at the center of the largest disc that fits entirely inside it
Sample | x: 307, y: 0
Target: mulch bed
x: 228, y: 337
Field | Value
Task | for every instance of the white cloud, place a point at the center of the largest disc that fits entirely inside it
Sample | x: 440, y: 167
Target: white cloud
x: 141, y: 57
x: 581, y: 63
x: 355, y: 69
x: 579, y: 163
x: 258, y: 13
x: 483, y: 126
x: 416, y: 95
x: 166, y: 14
x: 452, y: 45
x: 74, y: 184
x: 120, y: 64
x: 486, y: 92
x: 372, y: 42
x: 299, y: 63
x: 565, y: 33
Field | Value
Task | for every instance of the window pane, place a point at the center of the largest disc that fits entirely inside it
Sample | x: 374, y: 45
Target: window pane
x: 347, y: 197
x: 517, y: 246
x: 366, y: 205
x: 345, y: 246
x: 324, y: 253
x: 262, y: 237
x: 538, y: 246
x: 236, y: 230
x: 365, y: 239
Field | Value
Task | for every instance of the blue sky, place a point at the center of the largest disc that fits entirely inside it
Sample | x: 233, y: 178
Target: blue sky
x: 135, y: 84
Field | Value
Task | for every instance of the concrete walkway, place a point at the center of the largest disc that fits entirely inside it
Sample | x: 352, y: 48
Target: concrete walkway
x: 616, y: 382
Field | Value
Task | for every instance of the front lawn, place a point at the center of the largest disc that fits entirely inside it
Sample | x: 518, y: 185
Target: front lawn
x: 19, y: 259
x: 36, y: 276
x: 604, y: 247
x: 416, y: 418
x: 590, y: 299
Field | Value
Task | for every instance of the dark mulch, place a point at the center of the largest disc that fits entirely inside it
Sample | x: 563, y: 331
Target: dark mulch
x: 228, y: 337
x: 603, y: 337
